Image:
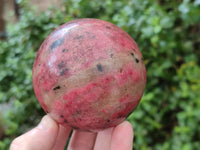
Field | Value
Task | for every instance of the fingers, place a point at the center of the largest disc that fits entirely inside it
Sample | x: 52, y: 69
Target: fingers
x: 62, y: 137
x: 118, y: 138
x: 49, y: 135
x: 82, y: 140
x: 103, y: 139
x: 41, y: 137
x: 122, y: 137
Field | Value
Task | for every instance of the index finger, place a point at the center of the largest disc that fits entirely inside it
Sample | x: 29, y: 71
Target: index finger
x: 62, y: 137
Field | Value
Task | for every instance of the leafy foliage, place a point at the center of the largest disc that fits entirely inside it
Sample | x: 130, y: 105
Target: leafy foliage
x: 167, y: 33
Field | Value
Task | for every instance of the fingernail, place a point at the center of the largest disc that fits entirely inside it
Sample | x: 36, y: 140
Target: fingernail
x: 45, y: 123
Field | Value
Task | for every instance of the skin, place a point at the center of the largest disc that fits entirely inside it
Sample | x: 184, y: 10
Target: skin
x: 49, y: 135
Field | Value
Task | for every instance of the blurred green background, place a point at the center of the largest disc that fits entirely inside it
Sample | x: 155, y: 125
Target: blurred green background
x: 168, y: 34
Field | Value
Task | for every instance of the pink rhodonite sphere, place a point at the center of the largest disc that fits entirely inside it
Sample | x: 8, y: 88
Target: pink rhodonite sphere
x: 89, y: 74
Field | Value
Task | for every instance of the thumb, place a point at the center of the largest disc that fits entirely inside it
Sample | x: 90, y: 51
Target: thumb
x: 41, y: 137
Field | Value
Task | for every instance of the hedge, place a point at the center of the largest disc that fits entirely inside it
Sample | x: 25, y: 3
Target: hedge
x: 168, y: 34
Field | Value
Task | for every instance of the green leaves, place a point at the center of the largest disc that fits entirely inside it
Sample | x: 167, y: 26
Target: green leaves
x: 167, y: 33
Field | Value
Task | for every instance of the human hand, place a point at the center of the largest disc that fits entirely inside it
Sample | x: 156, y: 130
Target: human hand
x: 49, y: 135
